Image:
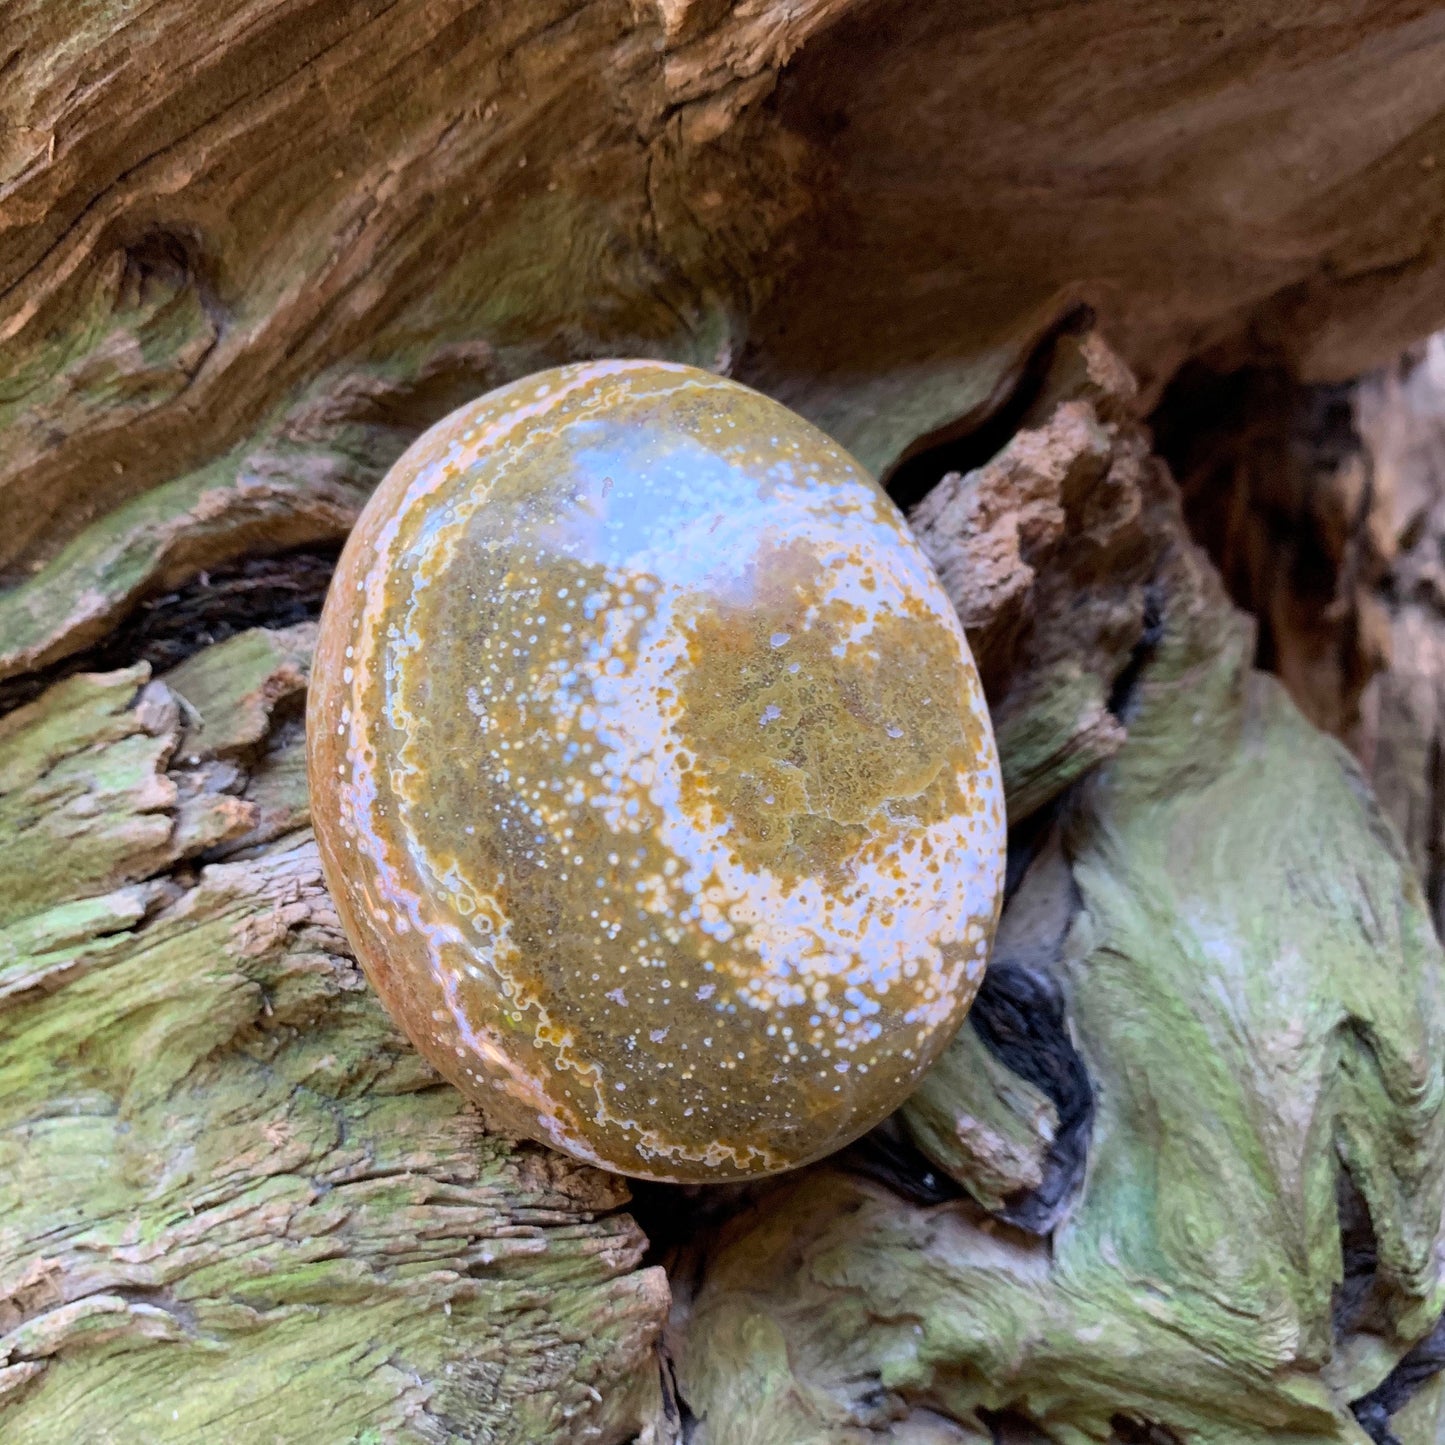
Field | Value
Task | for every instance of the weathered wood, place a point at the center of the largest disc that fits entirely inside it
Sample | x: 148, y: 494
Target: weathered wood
x: 231, y: 1189
x: 1323, y: 508
x: 245, y: 257
x: 244, y: 263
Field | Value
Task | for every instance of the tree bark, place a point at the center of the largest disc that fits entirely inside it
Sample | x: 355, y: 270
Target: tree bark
x: 1182, y: 1174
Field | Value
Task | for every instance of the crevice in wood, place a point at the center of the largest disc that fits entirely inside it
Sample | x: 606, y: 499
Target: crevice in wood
x: 161, y: 262
x: 1433, y: 849
x: 1121, y: 693
x: 889, y: 1157
x: 1020, y: 1017
x: 1415, y: 1370
x: 971, y: 441
x: 1358, y: 1307
x: 671, y: 1215
x: 1025, y: 841
x: 1279, y: 489
x: 1359, y: 1253
x: 165, y: 629
x: 1131, y: 1430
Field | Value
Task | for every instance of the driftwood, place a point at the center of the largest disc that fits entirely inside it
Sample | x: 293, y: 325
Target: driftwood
x: 1182, y: 1174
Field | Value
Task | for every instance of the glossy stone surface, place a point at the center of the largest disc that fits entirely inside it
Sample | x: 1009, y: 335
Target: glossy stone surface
x: 652, y: 775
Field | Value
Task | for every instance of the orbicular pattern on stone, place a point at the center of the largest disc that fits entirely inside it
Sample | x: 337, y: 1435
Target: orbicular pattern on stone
x: 653, y: 774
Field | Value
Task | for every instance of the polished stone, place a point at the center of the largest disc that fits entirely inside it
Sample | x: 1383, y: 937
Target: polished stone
x: 652, y: 774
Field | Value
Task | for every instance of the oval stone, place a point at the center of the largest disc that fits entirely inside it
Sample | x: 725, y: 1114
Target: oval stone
x: 652, y: 775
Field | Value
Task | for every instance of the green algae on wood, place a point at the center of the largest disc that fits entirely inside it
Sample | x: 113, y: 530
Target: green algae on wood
x: 88, y: 799
x: 220, y: 1162
x: 652, y: 774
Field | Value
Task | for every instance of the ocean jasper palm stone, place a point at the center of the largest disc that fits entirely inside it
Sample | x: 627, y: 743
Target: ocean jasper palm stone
x: 652, y: 775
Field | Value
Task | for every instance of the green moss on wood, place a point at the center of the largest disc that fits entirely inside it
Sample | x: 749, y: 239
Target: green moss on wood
x: 231, y: 1195
x: 982, y: 1124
